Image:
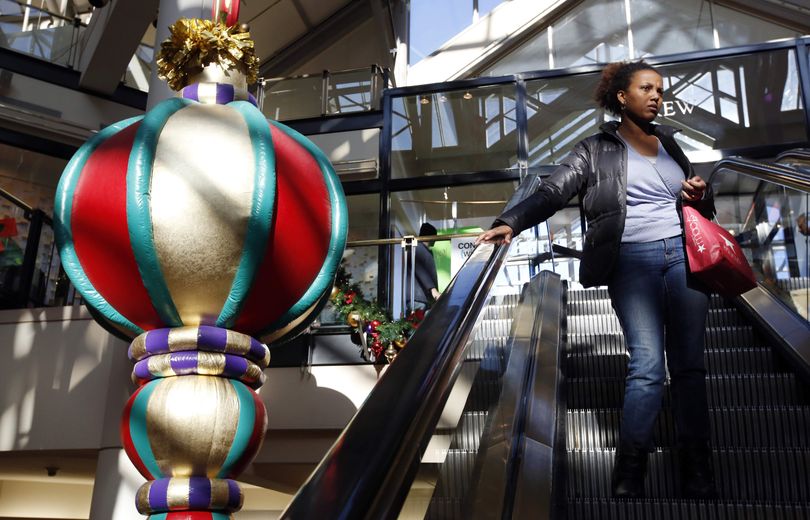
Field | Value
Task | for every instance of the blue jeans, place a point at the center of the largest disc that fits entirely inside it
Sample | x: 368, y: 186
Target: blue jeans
x: 661, y: 307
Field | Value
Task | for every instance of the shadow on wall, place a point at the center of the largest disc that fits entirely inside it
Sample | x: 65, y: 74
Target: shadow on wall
x: 57, y: 380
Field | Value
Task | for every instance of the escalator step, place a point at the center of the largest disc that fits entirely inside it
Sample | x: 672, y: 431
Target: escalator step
x: 718, y: 361
x: 598, y: 302
x: 494, y: 312
x: 484, y: 392
x: 784, y: 427
x: 736, y: 390
x: 613, y: 342
x: 499, y: 328
x: 682, y: 510
x: 482, y: 348
x: 750, y: 475
x: 442, y: 508
x: 467, y: 436
x: 609, y: 322
x: 455, y: 474
x: 790, y: 284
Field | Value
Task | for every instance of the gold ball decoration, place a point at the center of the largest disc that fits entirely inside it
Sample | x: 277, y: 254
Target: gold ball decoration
x: 353, y: 319
x: 390, y: 352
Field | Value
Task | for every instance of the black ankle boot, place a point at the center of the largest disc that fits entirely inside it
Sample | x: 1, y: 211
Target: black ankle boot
x: 629, y: 470
x: 697, y: 472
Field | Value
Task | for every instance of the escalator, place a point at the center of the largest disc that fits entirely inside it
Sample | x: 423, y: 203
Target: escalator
x: 533, y: 430
x: 759, y: 410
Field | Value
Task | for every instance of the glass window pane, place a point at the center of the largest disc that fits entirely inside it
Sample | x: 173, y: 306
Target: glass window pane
x: 433, y: 23
x: 32, y: 178
x: 560, y: 112
x: 294, y: 98
x: 354, y: 155
x: 729, y: 103
x: 533, y: 55
x: 456, y: 209
x: 454, y: 132
x: 349, y: 92
x: 594, y: 32
x: 737, y: 28
x: 485, y: 6
x: 718, y: 104
x: 659, y: 29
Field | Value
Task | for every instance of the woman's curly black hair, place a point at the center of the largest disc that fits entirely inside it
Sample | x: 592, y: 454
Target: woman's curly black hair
x: 615, y: 77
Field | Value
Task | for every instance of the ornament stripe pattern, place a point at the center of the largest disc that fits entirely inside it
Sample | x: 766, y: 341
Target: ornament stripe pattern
x: 138, y: 213
x: 337, y: 241
x: 138, y: 429
x: 128, y: 444
x: 201, y: 363
x: 203, y: 338
x: 299, y: 236
x: 99, y: 207
x: 261, y: 218
x: 244, y: 429
x: 219, y: 93
x: 256, y: 436
x: 63, y: 208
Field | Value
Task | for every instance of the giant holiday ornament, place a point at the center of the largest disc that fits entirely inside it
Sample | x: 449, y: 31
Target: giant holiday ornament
x: 193, y: 231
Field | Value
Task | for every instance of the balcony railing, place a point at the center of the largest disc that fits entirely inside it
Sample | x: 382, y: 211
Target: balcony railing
x: 328, y: 94
x: 53, y: 37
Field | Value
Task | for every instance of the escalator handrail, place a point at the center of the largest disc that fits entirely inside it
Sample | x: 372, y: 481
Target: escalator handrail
x: 368, y: 470
x: 798, y: 157
x: 776, y: 173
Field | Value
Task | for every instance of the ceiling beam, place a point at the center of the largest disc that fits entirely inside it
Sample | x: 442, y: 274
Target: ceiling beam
x: 109, y: 42
x: 320, y: 38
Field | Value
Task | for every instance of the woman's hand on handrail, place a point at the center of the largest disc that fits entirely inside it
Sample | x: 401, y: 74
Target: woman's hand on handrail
x: 498, y: 235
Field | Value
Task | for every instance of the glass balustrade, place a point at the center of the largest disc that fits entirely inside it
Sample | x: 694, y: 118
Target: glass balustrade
x: 770, y: 222
x: 33, y: 30
x: 327, y: 94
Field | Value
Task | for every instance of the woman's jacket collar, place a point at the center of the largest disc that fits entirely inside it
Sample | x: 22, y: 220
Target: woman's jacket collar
x: 612, y: 128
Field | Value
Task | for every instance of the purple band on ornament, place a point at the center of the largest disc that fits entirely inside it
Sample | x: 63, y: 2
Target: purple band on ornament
x: 142, y: 372
x: 213, y: 339
x: 199, y: 493
x: 204, y: 338
x: 192, y: 92
x: 187, y: 363
x: 233, y: 495
x: 257, y: 349
x: 225, y: 94
x: 184, y: 363
x: 158, y: 492
x: 157, y: 341
x: 235, y: 365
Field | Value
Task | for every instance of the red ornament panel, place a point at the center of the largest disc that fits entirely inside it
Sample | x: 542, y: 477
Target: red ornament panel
x: 100, y: 234
x: 299, y: 237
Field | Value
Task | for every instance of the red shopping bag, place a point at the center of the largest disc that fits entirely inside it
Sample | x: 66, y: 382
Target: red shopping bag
x: 715, y: 257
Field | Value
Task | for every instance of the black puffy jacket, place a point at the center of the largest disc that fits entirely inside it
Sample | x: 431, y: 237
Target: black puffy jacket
x: 596, y: 169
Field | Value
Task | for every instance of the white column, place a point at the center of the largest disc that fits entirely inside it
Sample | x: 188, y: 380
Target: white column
x: 117, y: 482
x: 170, y: 11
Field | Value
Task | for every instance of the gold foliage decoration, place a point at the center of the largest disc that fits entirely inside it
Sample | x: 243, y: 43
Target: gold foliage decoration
x: 194, y: 43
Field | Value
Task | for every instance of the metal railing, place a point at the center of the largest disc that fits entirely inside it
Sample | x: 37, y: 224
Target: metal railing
x: 30, y: 272
x: 56, y: 38
x: 327, y: 94
x: 775, y: 236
